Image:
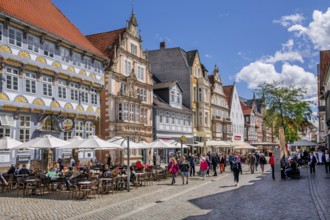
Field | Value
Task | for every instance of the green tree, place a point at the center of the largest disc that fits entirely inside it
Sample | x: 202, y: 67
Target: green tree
x: 285, y: 107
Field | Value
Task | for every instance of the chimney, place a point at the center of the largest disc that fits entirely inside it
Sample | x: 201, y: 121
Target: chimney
x: 162, y: 45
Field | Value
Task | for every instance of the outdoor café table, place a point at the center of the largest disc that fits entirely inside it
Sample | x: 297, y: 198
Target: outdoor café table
x: 139, y: 179
x: 32, y: 184
x: 105, y: 183
x: 85, y: 187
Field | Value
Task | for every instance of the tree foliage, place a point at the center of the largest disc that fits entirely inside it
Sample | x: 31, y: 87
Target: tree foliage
x: 285, y: 107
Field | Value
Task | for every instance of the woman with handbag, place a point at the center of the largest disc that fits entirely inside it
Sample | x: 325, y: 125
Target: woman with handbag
x: 173, y: 168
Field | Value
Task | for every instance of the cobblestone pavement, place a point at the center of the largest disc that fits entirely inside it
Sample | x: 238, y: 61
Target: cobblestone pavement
x: 257, y: 197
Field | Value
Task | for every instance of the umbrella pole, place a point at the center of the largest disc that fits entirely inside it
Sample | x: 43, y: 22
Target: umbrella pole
x: 128, y: 166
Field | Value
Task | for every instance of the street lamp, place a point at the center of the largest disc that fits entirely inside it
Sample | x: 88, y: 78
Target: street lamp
x: 183, y: 139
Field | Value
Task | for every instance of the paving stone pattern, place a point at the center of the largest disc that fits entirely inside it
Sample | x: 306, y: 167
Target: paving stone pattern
x: 257, y: 197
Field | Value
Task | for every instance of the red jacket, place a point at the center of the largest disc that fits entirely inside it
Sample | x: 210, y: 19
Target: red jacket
x: 204, y: 165
x: 271, y: 160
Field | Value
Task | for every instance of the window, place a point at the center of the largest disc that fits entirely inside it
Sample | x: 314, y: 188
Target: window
x: 178, y: 98
x: 189, y: 120
x: 67, y: 135
x: 89, y: 129
x: 4, y: 132
x: 15, y: 37
x: 79, y: 129
x: 142, y: 115
x: 206, y: 93
x: 141, y: 94
x: 1, y: 32
x: 74, y: 91
x: 140, y: 73
x: 123, y: 89
x: 200, y: 94
x: 120, y: 111
x: 167, y: 117
x: 49, y: 49
x: 125, y: 111
x: 160, y: 116
x: 84, y: 94
x: 173, y: 118
x: 65, y: 54
x: 47, y: 87
x: 133, y: 49
x: 200, y: 119
x: 12, y: 78
x: 131, y: 113
x: 195, y: 94
x: 87, y: 63
x: 94, y: 95
x: 128, y: 67
x: 144, y: 95
x: 76, y: 59
x: 61, y: 89
x: 47, y: 124
x: 145, y: 116
x: 24, y: 128
x: 30, y: 82
x: 172, y: 96
x: 33, y: 43
x: 137, y: 113
x: 195, y: 119
x: 206, y: 119
x: 97, y: 66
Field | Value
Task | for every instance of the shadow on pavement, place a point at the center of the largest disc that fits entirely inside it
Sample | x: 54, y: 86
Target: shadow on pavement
x: 264, y: 199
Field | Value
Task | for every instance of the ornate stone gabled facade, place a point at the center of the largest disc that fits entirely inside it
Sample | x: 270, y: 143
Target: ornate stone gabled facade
x: 220, y: 119
x: 128, y: 93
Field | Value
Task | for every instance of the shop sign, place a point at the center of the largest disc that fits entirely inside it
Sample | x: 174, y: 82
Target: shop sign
x: 67, y: 124
x: 237, y: 137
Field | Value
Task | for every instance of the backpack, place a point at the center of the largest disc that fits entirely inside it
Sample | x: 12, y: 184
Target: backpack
x: 235, y: 166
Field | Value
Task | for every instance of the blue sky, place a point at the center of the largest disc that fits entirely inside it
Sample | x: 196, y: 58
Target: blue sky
x: 251, y: 41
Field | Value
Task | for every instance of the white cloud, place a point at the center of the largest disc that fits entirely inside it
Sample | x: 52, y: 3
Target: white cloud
x: 284, y: 56
x: 290, y: 19
x: 318, y: 31
x: 208, y: 56
x: 259, y: 72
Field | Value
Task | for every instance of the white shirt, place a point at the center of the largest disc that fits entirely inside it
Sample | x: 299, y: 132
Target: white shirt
x: 327, y: 159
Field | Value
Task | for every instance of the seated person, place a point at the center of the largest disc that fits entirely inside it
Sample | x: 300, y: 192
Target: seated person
x: 3, y: 180
x: 52, y: 174
x: 116, y: 171
x: 292, y: 167
x: 139, y: 165
x: 133, y: 174
x: 23, y: 170
x: 11, y: 170
x: 106, y: 171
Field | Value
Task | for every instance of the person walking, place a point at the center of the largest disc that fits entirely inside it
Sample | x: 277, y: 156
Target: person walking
x: 311, y: 162
x: 173, y: 168
x: 192, y: 161
x: 208, y: 165
x: 215, y: 162
x: 272, y: 163
x: 203, y: 167
x: 262, y: 161
x: 257, y: 156
x: 236, y: 168
x: 184, y: 169
x: 252, y: 162
x: 326, y: 160
x: 222, y: 163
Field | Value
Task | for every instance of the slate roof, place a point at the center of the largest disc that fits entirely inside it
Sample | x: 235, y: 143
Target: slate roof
x: 191, y: 57
x: 44, y: 15
x: 163, y: 85
x: 105, y: 41
x: 246, y: 109
x: 159, y: 102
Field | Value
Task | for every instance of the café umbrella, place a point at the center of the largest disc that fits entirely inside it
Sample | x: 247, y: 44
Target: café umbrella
x: 44, y: 142
x: 8, y: 143
x: 94, y: 142
x: 123, y: 142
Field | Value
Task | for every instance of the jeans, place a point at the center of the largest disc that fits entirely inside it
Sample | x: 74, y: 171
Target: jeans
x: 184, y: 174
x: 252, y: 168
x: 203, y: 172
x: 273, y: 172
x: 173, y: 178
x: 236, y: 175
x: 215, y: 169
x: 312, y: 168
x: 262, y: 166
x: 192, y: 170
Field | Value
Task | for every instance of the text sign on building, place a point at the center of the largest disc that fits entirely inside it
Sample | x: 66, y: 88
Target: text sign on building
x: 237, y: 137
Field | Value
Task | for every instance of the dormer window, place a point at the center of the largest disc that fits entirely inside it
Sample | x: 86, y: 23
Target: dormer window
x: 140, y: 73
x: 128, y: 67
x: 87, y: 63
x: 133, y: 49
x: 49, y: 49
x: 15, y: 37
x: 76, y: 58
x: 175, y: 98
x: 65, y: 54
x: 33, y: 43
